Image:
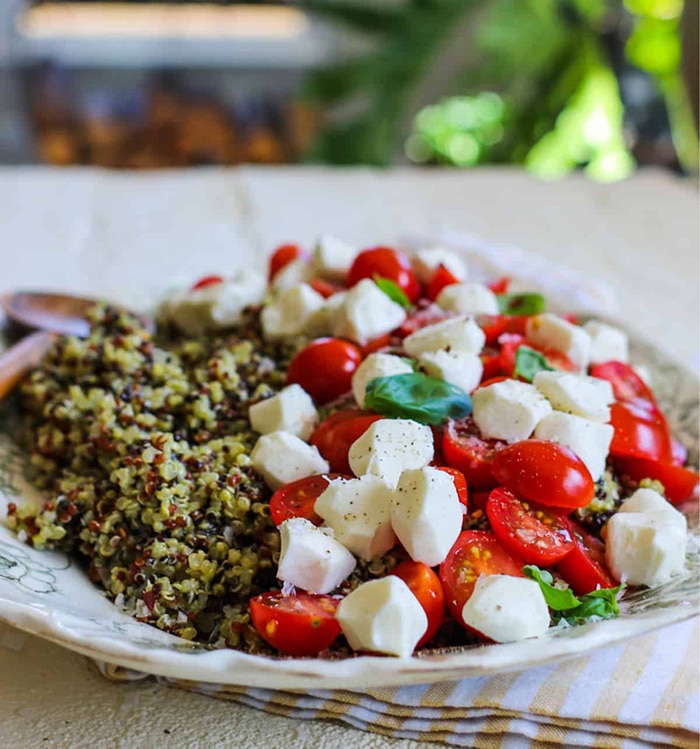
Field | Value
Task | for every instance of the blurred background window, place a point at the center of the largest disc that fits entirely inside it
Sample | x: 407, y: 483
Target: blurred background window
x: 556, y: 85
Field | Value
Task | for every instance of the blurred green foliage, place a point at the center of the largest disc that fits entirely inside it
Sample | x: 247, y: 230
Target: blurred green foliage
x: 534, y: 82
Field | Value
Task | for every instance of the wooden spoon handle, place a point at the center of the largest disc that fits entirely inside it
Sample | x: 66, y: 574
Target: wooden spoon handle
x: 21, y: 358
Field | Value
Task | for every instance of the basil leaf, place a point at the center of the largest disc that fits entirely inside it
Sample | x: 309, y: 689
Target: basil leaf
x: 393, y: 291
x: 417, y: 396
x: 557, y: 599
x: 529, y: 362
x: 521, y: 304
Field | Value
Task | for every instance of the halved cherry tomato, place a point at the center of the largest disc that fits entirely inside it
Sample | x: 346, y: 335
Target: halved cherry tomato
x: 491, y: 362
x: 324, y: 368
x: 376, y: 344
x: 626, y: 383
x: 468, y: 452
x: 473, y: 554
x: 299, y: 625
x: 544, y: 472
x: 427, y: 588
x: 296, y: 500
x: 334, y: 435
x: 500, y: 285
x: 324, y: 288
x: 421, y: 318
x: 679, y: 453
x: 386, y: 263
x: 284, y: 255
x: 493, y: 326
x: 510, y: 343
x: 679, y: 483
x: 441, y: 277
x: 460, y: 484
x: 207, y: 281
x: 584, y: 566
x: 639, y: 432
x: 532, y: 532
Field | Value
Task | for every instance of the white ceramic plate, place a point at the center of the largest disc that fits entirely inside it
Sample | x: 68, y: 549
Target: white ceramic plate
x: 49, y: 595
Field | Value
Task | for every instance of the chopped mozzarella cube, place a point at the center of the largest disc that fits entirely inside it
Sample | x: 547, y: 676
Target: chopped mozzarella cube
x: 642, y: 548
x: 376, y: 365
x: 294, y: 273
x: 217, y: 306
x: 608, y: 343
x: 581, y: 395
x: 508, y: 410
x: 649, y: 501
x: 382, y: 616
x: 291, y: 410
x: 280, y: 458
x: 468, y: 299
x: 426, y: 262
x: 551, y: 331
x: 323, y: 320
x: 310, y: 558
x: 426, y: 514
x: 590, y: 440
x: 367, y: 313
x: 505, y: 608
x: 459, y: 368
x: 455, y: 334
x: 288, y: 314
x: 359, y: 512
x: 391, y: 446
x: 333, y: 257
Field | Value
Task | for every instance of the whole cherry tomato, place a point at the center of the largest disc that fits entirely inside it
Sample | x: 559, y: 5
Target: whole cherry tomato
x: 427, y: 588
x: 544, y: 472
x: 385, y: 263
x: 533, y: 533
x: 207, y: 281
x: 284, y: 255
x: 468, y: 452
x: 584, y: 567
x: 473, y: 554
x: 640, y: 432
x: 296, y: 500
x: 626, y: 383
x: 334, y: 435
x: 679, y: 483
x: 299, y: 625
x: 441, y: 277
x: 324, y: 368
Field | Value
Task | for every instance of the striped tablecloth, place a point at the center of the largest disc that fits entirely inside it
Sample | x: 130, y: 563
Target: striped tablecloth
x: 641, y: 694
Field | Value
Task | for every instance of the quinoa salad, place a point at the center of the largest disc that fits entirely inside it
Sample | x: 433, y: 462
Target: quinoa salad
x: 362, y: 452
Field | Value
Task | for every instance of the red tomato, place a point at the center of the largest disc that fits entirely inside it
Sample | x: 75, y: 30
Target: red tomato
x: 298, y: 625
x: 334, y: 435
x: 440, y: 278
x: 511, y: 342
x: 386, y: 263
x: 474, y: 553
x: 491, y: 363
x: 679, y: 483
x: 426, y: 587
x: 284, y: 255
x: 679, y: 453
x: 296, y: 500
x: 533, y: 533
x: 500, y: 285
x: 626, y: 383
x: 376, y: 344
x: 207, y: 281
x: 493, y: 326
x: 468, y: 452
x: 639, y: 432
x: 478, y: 500
x: 421, y: 318
x: 544, y: 472
x: 460, y: 484
x: 324, y: 288
x: 324, y: 368
x: 584, y: 566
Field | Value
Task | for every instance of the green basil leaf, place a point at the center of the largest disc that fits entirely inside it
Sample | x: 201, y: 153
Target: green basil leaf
x: 529, y: 362
x: 393, y: 291
x: 417, y: 396
x: 557, y: 599
x: 521, y: 304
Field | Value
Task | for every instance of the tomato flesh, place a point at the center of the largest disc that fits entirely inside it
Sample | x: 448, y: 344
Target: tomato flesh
x: 385, y: 262
x: 584, y: 566
x: 544, y: 472
x: 533, y: 533
x: 325, y: 288
x: 441, y: 277
x: 284, y: 255
x: 473, y: 554
x: 465, y: 450
x: 296, y: 500
x: 300, y: 625
x: 206, y: 282
x: 679, y: 483
x: 626, y: 383
x: 324, y: 368
x: 427, y: 588
x: 334, y: 435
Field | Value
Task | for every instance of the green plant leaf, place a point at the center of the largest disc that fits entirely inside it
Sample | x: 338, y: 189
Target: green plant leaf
x: 521, y: 304
x: 393, y: 291
x: 557, y: 599
x: 529, y: 362
x: 417, y: 396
